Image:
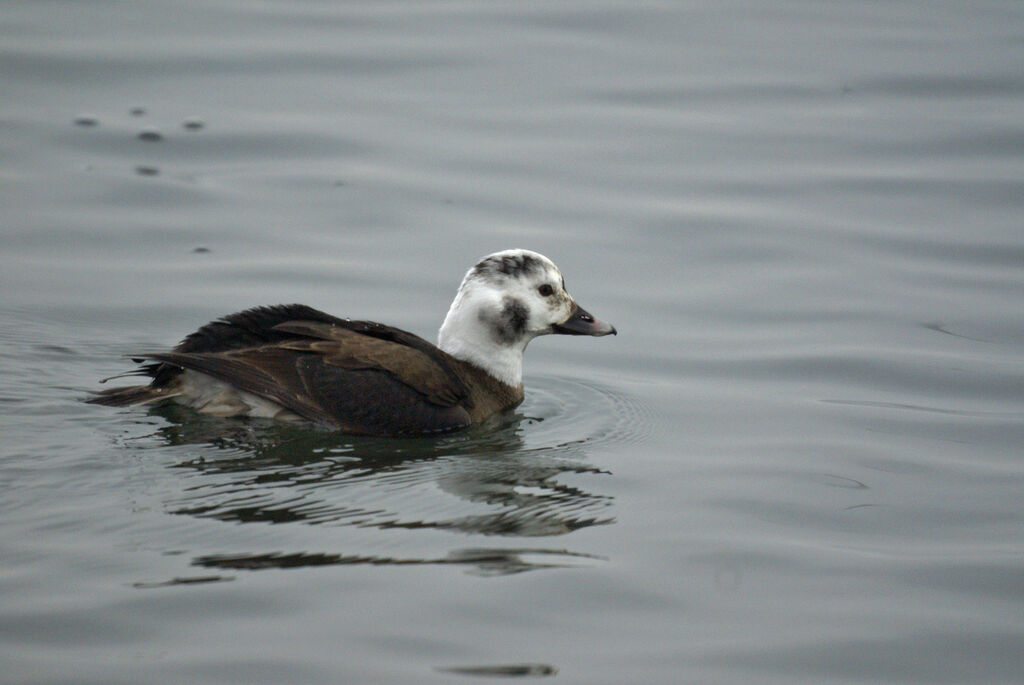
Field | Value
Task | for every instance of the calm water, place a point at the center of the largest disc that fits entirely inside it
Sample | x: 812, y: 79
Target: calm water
x: 800, y: 461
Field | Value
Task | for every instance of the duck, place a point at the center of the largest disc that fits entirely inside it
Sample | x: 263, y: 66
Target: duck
x: 295, y: 363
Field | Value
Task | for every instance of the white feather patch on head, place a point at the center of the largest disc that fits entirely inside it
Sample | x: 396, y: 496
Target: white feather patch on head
x: 499, y: 309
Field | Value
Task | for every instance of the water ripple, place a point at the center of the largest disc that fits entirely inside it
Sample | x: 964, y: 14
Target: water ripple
x: 506, y: 479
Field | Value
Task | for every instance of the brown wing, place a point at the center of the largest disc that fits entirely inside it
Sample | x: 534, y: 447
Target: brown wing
x: 241, y: 330
x: 356, y: 382
x: 423, y: 372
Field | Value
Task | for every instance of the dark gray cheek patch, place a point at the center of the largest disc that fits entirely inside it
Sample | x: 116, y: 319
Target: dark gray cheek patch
x: 511, y: 322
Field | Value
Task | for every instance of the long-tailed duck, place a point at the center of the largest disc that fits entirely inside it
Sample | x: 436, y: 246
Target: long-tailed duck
x: 294, y: 362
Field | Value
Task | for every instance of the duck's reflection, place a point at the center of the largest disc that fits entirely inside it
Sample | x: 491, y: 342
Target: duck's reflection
x: 482, y: 561
x: 485, y: 482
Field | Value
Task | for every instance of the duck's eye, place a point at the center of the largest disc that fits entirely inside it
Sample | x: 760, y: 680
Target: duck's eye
x: 546, y: 290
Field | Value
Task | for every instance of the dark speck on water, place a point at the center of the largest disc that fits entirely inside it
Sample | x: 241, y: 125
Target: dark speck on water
x: 193, y: 124
x: 201, y: 250
x: 150, y: 135
x: 503, y: 670
x: 138, y: 111
x: 143, y: 170
x: 86, y: 120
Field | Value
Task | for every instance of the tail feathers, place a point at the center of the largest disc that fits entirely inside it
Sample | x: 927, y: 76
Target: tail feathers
x: 131, y: 396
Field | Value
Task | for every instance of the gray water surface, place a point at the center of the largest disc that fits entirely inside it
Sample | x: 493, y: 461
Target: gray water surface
x: 800, y: 460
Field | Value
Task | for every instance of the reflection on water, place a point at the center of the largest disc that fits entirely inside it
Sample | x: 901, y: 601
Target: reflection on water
x: 508, y: 480
x: 482, y: 561
x: 503, y: 670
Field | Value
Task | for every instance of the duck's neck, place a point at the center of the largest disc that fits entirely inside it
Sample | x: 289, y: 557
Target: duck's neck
x: 503, y: 362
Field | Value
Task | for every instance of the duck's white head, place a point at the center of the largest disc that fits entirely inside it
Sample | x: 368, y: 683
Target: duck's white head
x: 506, y: 300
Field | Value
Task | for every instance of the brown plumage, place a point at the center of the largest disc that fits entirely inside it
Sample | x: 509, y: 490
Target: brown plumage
x: 358, y: 376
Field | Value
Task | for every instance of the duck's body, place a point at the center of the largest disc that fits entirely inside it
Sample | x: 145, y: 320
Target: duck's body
x: 295, y: 362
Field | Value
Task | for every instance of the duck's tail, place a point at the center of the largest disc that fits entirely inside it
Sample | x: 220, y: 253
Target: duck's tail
x: 131, y: 396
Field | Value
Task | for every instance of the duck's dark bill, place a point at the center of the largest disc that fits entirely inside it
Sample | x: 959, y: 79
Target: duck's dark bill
x: 582, y: 322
